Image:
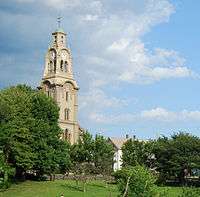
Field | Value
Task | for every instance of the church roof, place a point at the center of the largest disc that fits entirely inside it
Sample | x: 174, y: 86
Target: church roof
x: 118, y: 142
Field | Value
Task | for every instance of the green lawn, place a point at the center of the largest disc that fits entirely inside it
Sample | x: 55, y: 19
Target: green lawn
x: 69, y: 189
x: 56, y: 188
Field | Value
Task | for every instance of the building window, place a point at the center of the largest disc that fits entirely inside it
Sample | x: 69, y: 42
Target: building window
x: 54, y: 66
x: 65, y: 66
x: 48, y: 93
x: 51, y: 66
x: 67, y: 135
x: 67, y: 113
x: 67, y: 96
x: 61, y: 65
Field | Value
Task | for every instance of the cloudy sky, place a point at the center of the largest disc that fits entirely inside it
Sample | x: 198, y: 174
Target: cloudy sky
x: 136, y: 62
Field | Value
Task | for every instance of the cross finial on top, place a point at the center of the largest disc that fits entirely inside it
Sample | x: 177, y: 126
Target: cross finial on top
x: 59, y: 21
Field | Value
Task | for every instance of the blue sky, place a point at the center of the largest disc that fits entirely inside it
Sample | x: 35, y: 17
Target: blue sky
x: 136, y: 62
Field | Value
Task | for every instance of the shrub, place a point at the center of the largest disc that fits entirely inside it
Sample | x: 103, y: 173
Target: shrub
x: 6, y: 172
x: 135, y: 181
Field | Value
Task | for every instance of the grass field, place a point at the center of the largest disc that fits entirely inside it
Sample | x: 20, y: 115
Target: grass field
x: 56, y: 188
x: 70, y: 189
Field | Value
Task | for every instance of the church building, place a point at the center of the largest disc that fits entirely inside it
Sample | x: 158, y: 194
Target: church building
x: 58, y: 82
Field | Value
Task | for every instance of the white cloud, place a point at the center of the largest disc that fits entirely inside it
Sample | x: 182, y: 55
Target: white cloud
x: 55, y: 4
x: 118, y: 119
x: 90, y: 17
x: 119, y: 45
x: 146, y: 67
x: 160, y: 114
x: 192, y: 115
x: 162, y: 73
x: 97, y: 99
x: 118, y: 54
x: 62, y: 4
x: 156, y: 115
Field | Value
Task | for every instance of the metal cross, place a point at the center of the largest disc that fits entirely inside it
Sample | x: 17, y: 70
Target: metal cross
x: 59, y: 21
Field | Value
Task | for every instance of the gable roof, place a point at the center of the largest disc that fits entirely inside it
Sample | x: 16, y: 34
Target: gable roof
x: 118, y: 142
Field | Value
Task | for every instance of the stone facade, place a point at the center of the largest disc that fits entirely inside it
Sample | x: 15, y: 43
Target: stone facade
x: 59, y: 83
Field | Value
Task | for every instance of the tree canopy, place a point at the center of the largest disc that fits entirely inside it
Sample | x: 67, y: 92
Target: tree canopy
x: 137, y: 152
x: 29, y: 131
x: 177, y: 156
x: 97, y: 151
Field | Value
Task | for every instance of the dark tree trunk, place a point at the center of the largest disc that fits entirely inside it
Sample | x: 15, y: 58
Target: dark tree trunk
x: 20, y: 174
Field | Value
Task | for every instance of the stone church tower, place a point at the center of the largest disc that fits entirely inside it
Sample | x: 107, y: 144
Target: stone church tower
x: 59, y: 83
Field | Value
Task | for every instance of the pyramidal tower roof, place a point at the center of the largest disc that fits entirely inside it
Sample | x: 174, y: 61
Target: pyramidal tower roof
x: 60, y: 30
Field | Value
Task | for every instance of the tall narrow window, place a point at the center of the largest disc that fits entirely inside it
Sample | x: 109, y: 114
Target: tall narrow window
x: 67, y: 135
x: 65, y: 66
x: 66, y: 111
x: 54, y: 66
x: 51, y: 66
x: 48, y: 93
x: 61, y: 65
x: 67, y: 96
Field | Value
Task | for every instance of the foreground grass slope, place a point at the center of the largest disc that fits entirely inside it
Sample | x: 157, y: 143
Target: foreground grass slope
x: 70, y: 189
x: 56, y: 188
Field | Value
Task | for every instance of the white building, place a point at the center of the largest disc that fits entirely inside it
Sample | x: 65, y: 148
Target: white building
x: 117, y: 144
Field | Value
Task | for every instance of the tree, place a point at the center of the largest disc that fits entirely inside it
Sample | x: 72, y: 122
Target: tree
x: 135, y: 152
x: 97, y: 151
x: 83, y: 151
x: 29, y: 131
x: 52, y: 154
x: 90, y: 157
x: 103, y: 155
x: 176, y: 156
x: 15, y: 107
x: 6, y: 172
x: 135, y: 181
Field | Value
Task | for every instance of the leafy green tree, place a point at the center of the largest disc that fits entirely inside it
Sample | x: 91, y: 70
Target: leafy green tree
x: 135, y: 152
x: 15, y: 103
x: 103, y: 155
x: 29, y: 131
x: 83, y: 151
x: 135, y: 181
x: 176, y: 156
x: 52, y: 154
x: 97, y: 151
x: 6, y: 172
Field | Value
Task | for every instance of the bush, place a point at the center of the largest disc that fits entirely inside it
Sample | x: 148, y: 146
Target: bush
x: 6, y: 172
x: 135, y: 181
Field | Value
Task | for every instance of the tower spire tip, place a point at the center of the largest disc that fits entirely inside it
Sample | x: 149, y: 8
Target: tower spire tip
x: 59, y: 21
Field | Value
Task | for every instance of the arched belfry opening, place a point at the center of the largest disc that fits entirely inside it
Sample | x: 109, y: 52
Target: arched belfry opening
x: 66, y: 66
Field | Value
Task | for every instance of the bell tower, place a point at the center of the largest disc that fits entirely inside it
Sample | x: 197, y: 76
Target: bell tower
x: 59, y: 83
